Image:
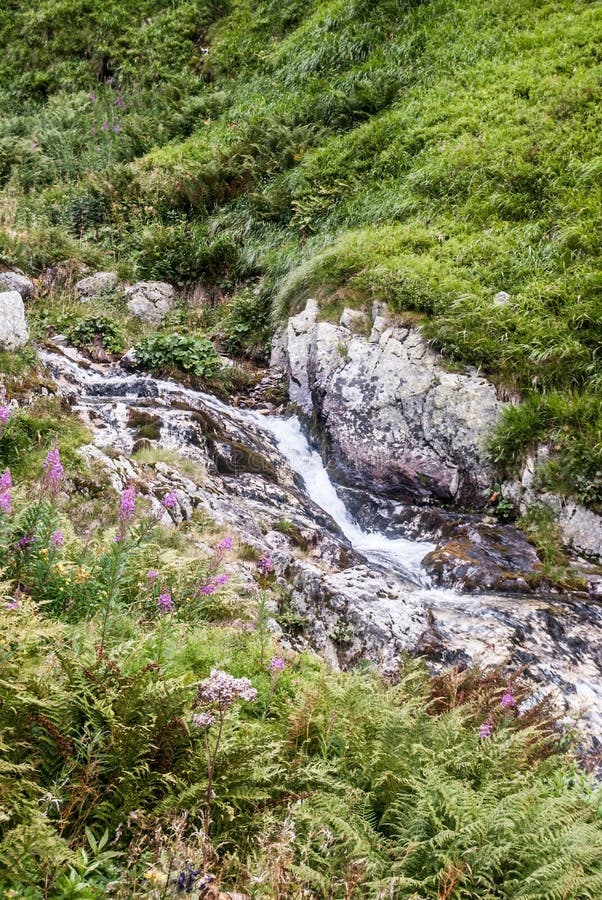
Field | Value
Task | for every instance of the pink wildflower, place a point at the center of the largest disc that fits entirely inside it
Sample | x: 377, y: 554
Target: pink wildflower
x: 165, y: 602
x: 486, y: 728
x: 222, y: 579
x: 207, y: 589
x: 225, y: 544
x: 152, y: 574
x: 57, y: 538
x: 127, y: 506
x: 508, y: 701
x: 276, y: 664
x: 170, y: 500
x: 203, y: 720
x: 53, y: 471
x: 265, y: 565
x: 4, y: 413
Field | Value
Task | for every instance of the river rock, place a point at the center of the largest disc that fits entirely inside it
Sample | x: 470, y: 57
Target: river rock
x: 394, y: 420
x: 150, y: 301
x: 12, y: 280
x: 97, y: 285
x: 13, y: 324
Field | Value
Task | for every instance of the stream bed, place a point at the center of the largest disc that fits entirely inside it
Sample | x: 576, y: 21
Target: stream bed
x: 362, y: 593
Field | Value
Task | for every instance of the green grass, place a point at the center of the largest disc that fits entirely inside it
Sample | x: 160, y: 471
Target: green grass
x: 428, y: 154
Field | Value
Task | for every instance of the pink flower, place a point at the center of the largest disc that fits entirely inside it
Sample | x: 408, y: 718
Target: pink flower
x: 207, y: 589
x: 120, y: 102
x: 221, y: 690
x: 265, y: 565
x: 203, y: 720
x: 105, y: 126
x: 53, y: 471
x: 276, y: 664
x: 127, y: 506
x: 14, y: 604
x: 152, y: 574
x: 5, y: 498
x: 57, y: 538
x: 225, y: 544
x: 170, y: 500
x: 4, y: 414
x: 92, y: 97
x: 486, y: 728
x: 116, y: 128
x: 508, y: 701
x: 222, y: 579
x: 165, y: 602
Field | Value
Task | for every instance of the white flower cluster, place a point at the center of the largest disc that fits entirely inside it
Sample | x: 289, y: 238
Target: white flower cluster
x: 221, y: 690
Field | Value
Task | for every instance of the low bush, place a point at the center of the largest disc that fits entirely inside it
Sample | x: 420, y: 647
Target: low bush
x: 186, y: 354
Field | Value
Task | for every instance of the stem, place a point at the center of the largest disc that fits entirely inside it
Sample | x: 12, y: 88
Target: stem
x: 211, y: 761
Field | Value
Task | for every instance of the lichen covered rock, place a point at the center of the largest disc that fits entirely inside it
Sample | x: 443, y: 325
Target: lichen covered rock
x: 13, y: 324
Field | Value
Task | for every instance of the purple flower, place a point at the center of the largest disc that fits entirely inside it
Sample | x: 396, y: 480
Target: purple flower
x: 57, y: 538
x: 225, y: 544
x: 170, y: 500
x: 127, y: 506
x: 222, y: 579
x: 53, y: 471
x: 116, y: 128
x: 276, y: 664
x: 207, y: 589
x: 5, y: 499
x: 120, y: 102
x: 92, y: 97
x: 508, y: 701
x: 152, y: 574
x: 34, y: 145
x: 165, y: 602
x: 265, y: 565
x: 243, y: 626
x: 486, y: 728
x: 105, y: 126
x: 14, y: 604
x: 4, y: 414
x: 203, y: 720
x: 25, y: 541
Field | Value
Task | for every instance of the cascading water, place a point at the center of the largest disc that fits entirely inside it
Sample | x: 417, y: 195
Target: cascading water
x: 557, y: 640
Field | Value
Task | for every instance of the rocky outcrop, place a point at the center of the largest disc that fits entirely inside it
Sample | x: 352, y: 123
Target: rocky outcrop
x: 150, y: 301
x: 395, y: 421
x: 12, y: 280
x: 13, y: 324
x: 97, y: 285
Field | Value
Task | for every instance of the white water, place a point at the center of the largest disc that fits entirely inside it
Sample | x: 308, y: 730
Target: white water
x: 399, y: 553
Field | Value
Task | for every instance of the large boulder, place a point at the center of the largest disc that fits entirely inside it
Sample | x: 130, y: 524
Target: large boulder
x: 12, y: 280
x: 150, y: 301
x: 394, y: 420
x: 13, y: 324
x: 97, y: 285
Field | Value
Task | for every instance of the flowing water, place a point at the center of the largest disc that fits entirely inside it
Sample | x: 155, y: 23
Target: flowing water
x: 558, y: 641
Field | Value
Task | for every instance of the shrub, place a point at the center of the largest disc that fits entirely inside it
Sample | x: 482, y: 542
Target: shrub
x: 180, y: 353
x: 97, y: 328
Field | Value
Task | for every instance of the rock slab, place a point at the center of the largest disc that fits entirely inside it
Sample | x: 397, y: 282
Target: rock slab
x: 395, y: 421
x: 13, y: 324
x: 16, y: 281
x: 97, y: 285
x: 150, y: 301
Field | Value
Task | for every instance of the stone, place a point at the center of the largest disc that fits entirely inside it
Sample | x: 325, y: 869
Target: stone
x: 392, y: 419
x: 502, y: 298
x: 13, y: 324
x: 13, y: 280
x: 97, y: 285
x: 150, y: 301
x: 354, y: 319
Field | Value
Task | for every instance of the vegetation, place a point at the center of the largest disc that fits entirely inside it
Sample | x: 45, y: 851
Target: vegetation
x: 428, y: 154
x: 156, y: 740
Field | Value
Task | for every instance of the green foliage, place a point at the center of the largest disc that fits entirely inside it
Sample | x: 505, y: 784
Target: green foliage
x: 30, y: 433
x: 324, y: 781
x: 246, y: 325
x: 184, y: 353
x: 106, y: 331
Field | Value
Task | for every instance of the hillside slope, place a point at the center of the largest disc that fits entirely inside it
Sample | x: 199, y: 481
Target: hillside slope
x: 428, y: 154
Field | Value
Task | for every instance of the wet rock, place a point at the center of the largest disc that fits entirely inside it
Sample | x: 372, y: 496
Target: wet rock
x: 485, y: 558
x: 393, y: 419
x: 14, y: 280
x: 150, y: 301
x: 13, y: 324
x: 97, y: 285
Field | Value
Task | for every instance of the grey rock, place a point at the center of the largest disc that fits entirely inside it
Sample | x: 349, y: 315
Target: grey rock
x: 395, y: 420
x: 16, y: 281
x: 128, y: 360
x: 502, y: 298
x: 354, y: 319
x: 13, y: 324
x: 150, y: 301
x: 97, y: 285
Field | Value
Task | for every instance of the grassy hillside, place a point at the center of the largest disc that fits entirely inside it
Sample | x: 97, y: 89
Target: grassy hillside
x: 430, y: 154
